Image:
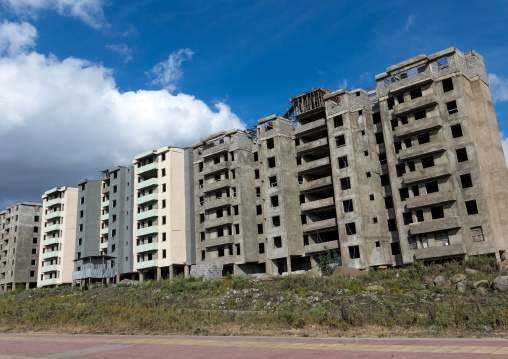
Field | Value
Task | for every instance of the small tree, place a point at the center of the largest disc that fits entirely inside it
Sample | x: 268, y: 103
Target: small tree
x: 328, y: 260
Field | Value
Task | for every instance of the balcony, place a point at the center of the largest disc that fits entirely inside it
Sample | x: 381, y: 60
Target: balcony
x: 147, y: 230
x: 46, y: 282
x: 321, y: 247
x: 319, y: 204
x: 319, y: 225
x: 429, y: 199
x: 51, y: 268
x: 54, y: 227
x: 56, y: 214
x: 147, y: 214
x: 104, y: 231
x: 105, y: 189
x: 314, y: 165
x: 217, y: 222
x: 212, y: 168
x: 218, y: 241
x: 222, y: 147
x: 426, y: 174
x: 50, y: 241
x: 103, y: 245
x: 147, y: 168
x: 216, y: 203
x: 147, y: 198
x: 105, y: 217
x: 51, y: 254
x: 312, y: 146
x: 208, y: 187
x: 422, y: 150
x: 414, y: 105
x: 316, y: 184
x: 53, y: 202
x: 434, y: 225
x: 146, y: 264
x: 440, y: 252
x: 105, y: 203
x: 148, y: 183
x: 147, y: 247
x: 419, y: 126
x: 310, y: 127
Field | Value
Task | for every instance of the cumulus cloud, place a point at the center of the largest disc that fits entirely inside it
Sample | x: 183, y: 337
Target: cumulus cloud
x: 64, y: 120
x: 121, y: 49
x: 88, y: 11
x: 498, y: 88
x: 16, y: 38
x: 167, y: 73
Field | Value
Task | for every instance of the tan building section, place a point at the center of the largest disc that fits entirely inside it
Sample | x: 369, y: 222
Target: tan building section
x: 58, y: 236
x: 159, y: 221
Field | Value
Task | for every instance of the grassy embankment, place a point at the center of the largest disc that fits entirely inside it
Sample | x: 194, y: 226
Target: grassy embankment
x: 300, y: 305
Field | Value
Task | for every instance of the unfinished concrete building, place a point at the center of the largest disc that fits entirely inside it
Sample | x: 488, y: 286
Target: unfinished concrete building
x: 409, y: 169
x: 58, y: 244
x: 161, y: 241
x: 20, y: 232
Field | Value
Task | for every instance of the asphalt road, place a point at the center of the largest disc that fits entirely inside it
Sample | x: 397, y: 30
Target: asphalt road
x: 115, y: 346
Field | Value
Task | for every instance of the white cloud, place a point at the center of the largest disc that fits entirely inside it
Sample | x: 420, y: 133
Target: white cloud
x: 343, y: 84
x: 167, y: 73
x: 410, y: 21
x: 16, y: 38
x: 121, y: 49
x: 64, y: 120
x: 498, y: 88
x: 88, y: 11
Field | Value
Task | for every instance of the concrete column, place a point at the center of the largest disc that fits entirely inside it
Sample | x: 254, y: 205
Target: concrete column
x: 171, y: 274
x: 27, y: 285
x: 117, y: 278
x: 288, y: 260
x: 108, y: 280
x: 13, y: 286
x: 186, y: 271
x: 314, y: 264
x: 141, y: 277
x: 159, y: 273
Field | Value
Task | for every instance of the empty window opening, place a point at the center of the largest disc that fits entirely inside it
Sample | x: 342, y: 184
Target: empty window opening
x: 382, y: 158
x: 260, y: 228
x: 437, y: 212
x: 216, y: 160
x: 220, y: 252
x: 259, y: 210
x: 340, y: 141
x: 400, y: 99
x: 337, y: 121
x: 442, y: 61
x: 378, y: 244
x: 256, y: 157
x: 395, y: 248
x: 388, y: 202
x: 258, y: 191
x: 403, y: 120
x: 447, y: 85
x: 385, y: 180
x: 415, y: 93
x: 431, y: 187
x: 218, y: 195
x: 376, y: 118
x: 398, y: 146
x: 477, y: 234
x: 271, y: 162
x: 404, y: 193
x: 408, y: 218
x: 350, y: 228
x: 261, y: 247
x: 220, y: 213
x: 391, y: 102
x: 347, y: 206
x: 302, y: 198
x: 411, y: 166
x: 401, y: 169
x: 408, y: 143
x: 354, y: 252
x: 357, y: 93
x: 419, y: 216
x: 202, y: 255
x: 237, y: 229
x: 305, y: 240
x: 201, y: 218
x: 466, y: 180
x: 275, y: 201
x: 442, y: 239
x: 220, y: 232
x: 374, y: 220
x: 471, y: 207
x: 420, y: 115
x: 256, y: 174
x: 380, y: 138
x: 362, y: 132
x: 461, y: 155
x: 303, y: 218
x: 428, y: 162
x: 368, y: 174
x: 298, y: 160
x: 366, y: 153
x: 392, y: 225
x: 276, y: 221
x: 456, y: 130
x: 412, y: 243
x: 345, y: 183
x: 423, y: 138
x: 394, y: 123
x: 371, y: 197
x: 270, y: 143
x: 415, y: 190
x: 237, y: 249
x: 452, y: 107
x: 273, y: 181
x: 343, y: 162
x: 277, y: 242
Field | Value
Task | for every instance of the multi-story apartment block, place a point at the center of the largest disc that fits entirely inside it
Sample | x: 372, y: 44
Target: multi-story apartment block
x: 410, y: 169
x: 20, y: 232
x: 104, y: 227
x: 160, y: 246
x: 58, y: 243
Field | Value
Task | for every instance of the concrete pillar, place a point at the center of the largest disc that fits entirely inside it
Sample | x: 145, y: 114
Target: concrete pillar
x: 186, y: 271
x: 159, y: 273
x: 171, y: 274
x: 108, y: 280
x: 288, y: 260
x: 13, y: 288
x: 27, y: 285
x: 117, y: 278
x: 314, y: 264
x: 141, y: 277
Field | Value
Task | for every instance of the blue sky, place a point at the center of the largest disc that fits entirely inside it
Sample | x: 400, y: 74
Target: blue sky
x: 85, y: 84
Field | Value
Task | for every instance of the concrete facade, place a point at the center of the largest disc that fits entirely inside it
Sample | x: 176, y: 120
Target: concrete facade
x: 57, y: 248
x: 160, y: 246
x: 409, y: 169
x: 20, y: 236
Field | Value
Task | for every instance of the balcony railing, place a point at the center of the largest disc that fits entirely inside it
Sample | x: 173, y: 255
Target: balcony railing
x: 147, y: 198
x: 46, y: 282
x: 434, y: 225
x: 146, y: 247
x: 147, y: 168
x: 147, y: 183
x: 146, y: 264
x: 319, y: 204
x: 314, y: 226
x: 429, y: 199
x: 54, y: 227
x: 147, y: 230
x: 146, y: 214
